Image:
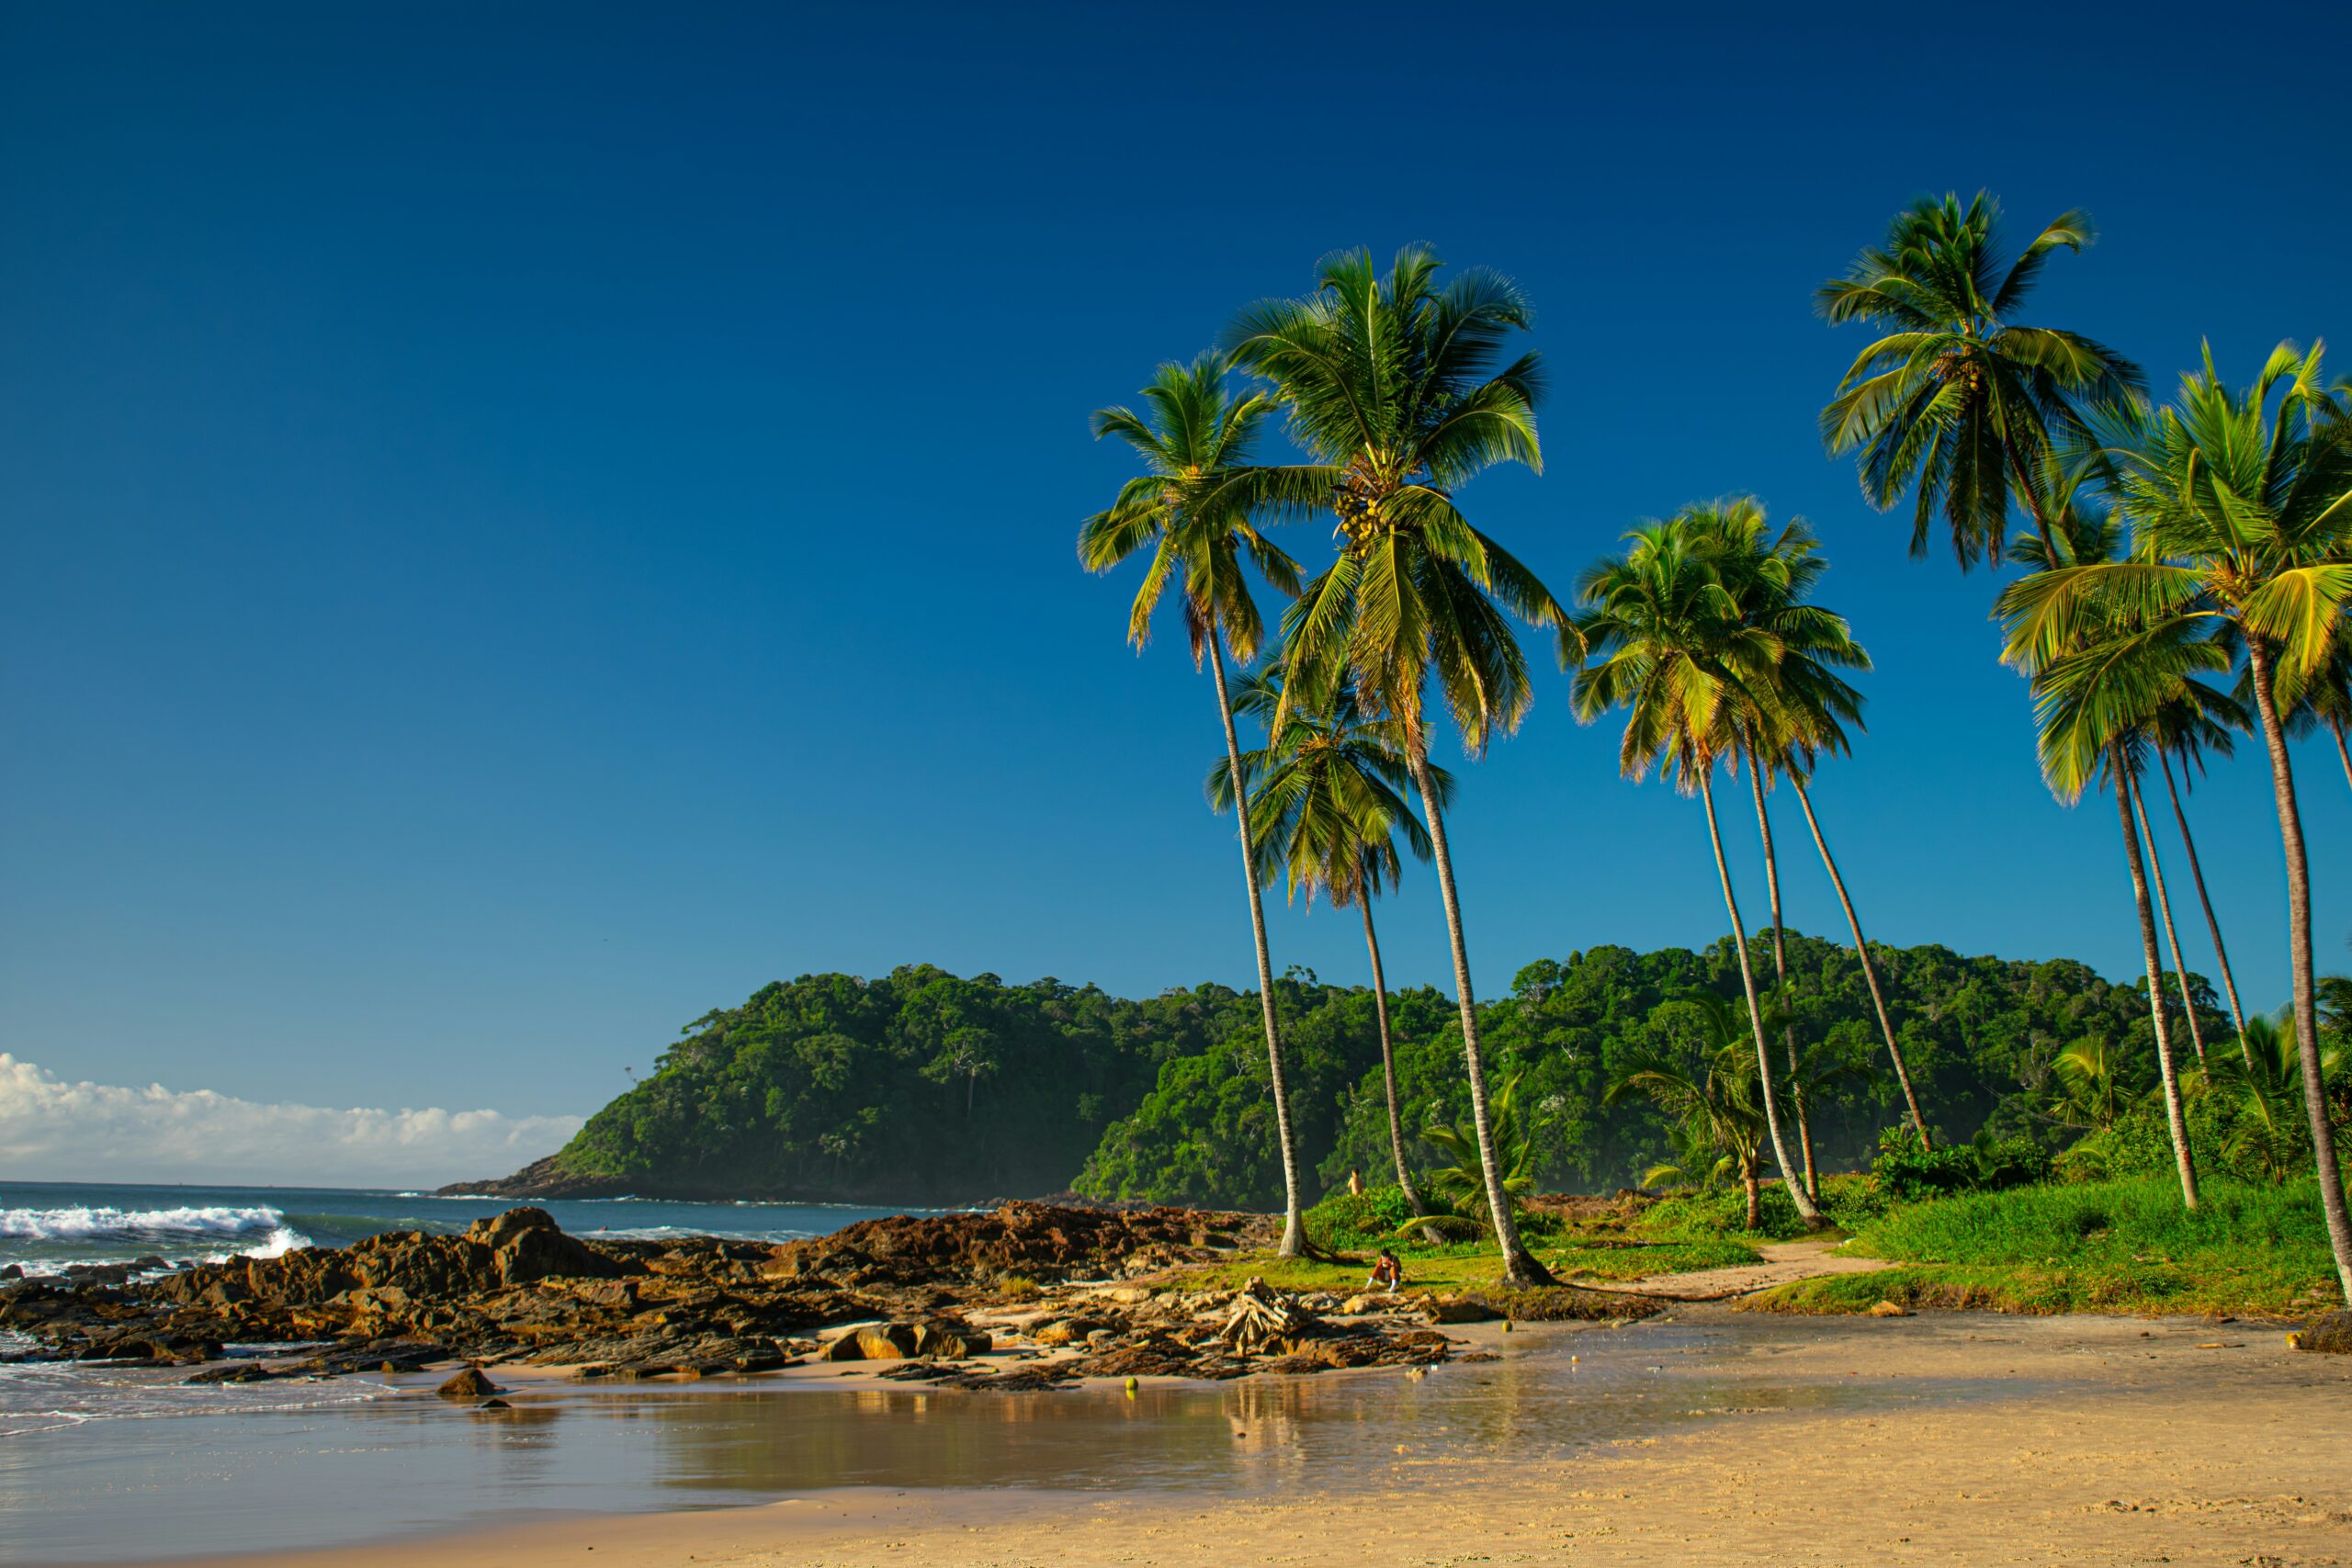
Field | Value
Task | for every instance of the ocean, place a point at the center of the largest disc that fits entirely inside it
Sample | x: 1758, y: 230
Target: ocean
x: 45, y: 1225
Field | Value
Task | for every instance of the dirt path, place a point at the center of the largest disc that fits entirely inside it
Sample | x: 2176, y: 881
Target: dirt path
x: 1784, y: 1262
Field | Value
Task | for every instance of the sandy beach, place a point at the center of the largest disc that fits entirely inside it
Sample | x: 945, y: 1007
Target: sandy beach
x: 2007, y: 1440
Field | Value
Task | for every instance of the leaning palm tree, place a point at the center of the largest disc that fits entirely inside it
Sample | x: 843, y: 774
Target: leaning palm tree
x: 1396, y: 395
x: 2196, y: 720
x: 1717, y: 1106
x: 2097, y: 701
x: 2241, y: 508
x: 1190, y: 434
x: 1957, y: 398
x: 1328, y: 806
x: 1769, y: 575
x: 1660, y: 637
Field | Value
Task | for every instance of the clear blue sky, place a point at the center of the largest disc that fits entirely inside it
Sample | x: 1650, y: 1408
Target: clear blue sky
x: 525, y: 523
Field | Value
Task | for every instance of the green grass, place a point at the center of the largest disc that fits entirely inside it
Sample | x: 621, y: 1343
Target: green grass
x: 2124, y: 1246
x: 1599, y: 1260
x: 1848, y: 1201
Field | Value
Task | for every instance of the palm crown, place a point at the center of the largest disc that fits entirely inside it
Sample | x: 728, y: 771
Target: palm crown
x: 1956, y: 395
x: 1191, y: 434
x: 1394, y: 395
x: 1327, y: 799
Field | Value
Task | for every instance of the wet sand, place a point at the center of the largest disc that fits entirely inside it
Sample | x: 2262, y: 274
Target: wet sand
x: 1941, y: 1439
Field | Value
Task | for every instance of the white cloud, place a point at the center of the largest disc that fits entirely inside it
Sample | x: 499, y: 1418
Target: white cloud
x: 56, y: 1131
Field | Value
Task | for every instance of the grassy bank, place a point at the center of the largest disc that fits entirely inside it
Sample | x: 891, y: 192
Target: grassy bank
x: 2122, y: 1246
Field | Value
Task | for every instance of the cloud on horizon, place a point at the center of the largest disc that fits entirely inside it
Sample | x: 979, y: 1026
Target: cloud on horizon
x: 54, y: 1130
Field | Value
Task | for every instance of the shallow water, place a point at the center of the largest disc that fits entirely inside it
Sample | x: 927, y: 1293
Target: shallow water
x: 377, y: 1463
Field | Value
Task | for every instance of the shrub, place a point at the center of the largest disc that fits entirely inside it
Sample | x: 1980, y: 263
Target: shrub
x: 1848, y: 1201
x: 1358, y: 1219
x: 1906, y: 1169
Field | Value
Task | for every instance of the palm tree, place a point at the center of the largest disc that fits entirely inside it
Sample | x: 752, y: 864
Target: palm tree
x: 2092, y: 1078
x: 1328, y: 806
x: 2241, y: 513
x: 2097, y: 701
x: 1718, y: 1106
x: 1957, y: 396
x: 1393, y: 394
x: 1660, y: 637
x: 1516, y: 1137
x: 2323, y: 698
x: 2266, y: 1085
x: 2198, y: 718
x: 1769, y: 581
x: 1193, y: 432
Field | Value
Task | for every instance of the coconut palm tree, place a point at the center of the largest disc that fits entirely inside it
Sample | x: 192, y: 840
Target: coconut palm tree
x: 1327, y: 799
x: 1397, y: 397
x: 1191, y: 432
x: 2240, y: 502
x: 2322, y: 699
x: 1957, y: 398
x: 1659, y: 636
x: 2096, y: 702
x: 2196, y: 720
x: 1717, y: 1105
x: 1769, y: 575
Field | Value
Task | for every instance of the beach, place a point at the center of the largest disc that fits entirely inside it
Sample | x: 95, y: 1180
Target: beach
x: 1967, y: 1437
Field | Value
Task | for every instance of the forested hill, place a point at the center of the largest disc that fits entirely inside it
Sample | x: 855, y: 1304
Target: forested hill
x: 920, y: 1087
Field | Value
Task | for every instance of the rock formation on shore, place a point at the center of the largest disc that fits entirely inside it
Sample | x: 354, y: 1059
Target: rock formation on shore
x: 1043, y: 1293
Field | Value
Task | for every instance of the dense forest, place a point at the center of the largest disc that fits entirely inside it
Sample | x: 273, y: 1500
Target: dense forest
x: 920, y: 1087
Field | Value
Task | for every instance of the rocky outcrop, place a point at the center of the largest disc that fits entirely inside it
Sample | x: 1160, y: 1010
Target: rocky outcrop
x: 1033, y: 1241
x: 931, y: 1297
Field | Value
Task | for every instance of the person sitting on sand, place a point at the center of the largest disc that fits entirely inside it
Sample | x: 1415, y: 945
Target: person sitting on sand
x: 1387, y: 1274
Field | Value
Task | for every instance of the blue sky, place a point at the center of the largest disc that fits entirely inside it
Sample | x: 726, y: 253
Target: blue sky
x: 523, y: 524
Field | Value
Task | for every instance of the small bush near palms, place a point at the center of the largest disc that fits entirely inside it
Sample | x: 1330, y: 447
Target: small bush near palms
x: 1848, y: 1201
x: 1346, y: 1219
x: 1908, y: 1169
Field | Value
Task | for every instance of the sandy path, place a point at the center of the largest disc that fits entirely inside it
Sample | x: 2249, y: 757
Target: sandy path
x: 1784, y: 1262
x: 2107, y: 1441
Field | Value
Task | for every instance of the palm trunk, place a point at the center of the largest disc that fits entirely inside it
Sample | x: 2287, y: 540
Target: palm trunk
x: 1294, y: 1211
x: 1870, y: 970
x: 1754, y: 1195
x: 2163, y: 907
x: 1520, y: 1266
x: 1780, y: 978
x: 1797, y: 1194
x: 2122, y: 782
x: 2341, y: 754
x: 1387, y: 1056
x: 2299, y: 934
x: 2196, y: 873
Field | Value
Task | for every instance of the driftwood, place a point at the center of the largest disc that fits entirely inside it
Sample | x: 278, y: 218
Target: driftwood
x: 1265, y: 1321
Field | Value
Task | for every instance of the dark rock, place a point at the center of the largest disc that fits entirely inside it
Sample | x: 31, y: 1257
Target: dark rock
x: 494, y: 1404
x: 13, y: 1271
x: 468, y: 1385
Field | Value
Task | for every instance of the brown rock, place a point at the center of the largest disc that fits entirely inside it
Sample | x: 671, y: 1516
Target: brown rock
x: 1458, y: 1309
x: 2329, y: 1333
x: 469, y: 1384
x: 1890, y: 1309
